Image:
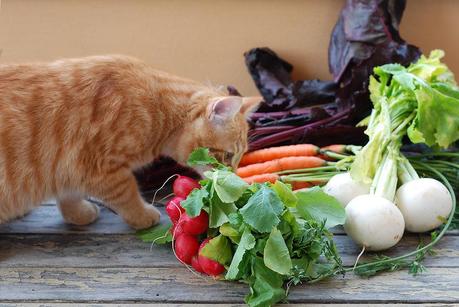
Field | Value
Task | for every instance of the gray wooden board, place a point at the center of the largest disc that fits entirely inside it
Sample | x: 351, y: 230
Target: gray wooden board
x: 43, y: 260
x: 47, y: 220
x: 204, y: 305
x: 127, y: 251
x: 144, y: 305
x: 178, y: 285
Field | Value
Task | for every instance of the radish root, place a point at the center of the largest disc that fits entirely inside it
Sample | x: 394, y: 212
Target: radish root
x: 358, y: 258
x: 161, y: 187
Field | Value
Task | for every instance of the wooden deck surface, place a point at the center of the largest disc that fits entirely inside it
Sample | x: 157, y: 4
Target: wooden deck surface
x: 44, y: 262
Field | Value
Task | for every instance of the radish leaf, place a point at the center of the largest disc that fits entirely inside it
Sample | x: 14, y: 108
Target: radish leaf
x: 219, y: 211
x: 246, y: 243
x: 159, y: 234
x: 265, y: 285
x: 276, y: 255
x: 228, y: 186
x: 201, y: 156
x: 229, y: 231
x: 262, y: 210
x: 316, y: 204
x: 194, y: 202
x: 285, y: 193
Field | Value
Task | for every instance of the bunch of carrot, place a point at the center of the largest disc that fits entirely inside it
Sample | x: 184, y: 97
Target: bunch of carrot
x: 266, y: 165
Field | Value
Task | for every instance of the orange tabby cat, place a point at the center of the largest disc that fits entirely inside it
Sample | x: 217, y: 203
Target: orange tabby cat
x: 78, y: 127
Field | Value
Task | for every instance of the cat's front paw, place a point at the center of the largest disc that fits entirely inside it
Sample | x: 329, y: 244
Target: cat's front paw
x: 149, y: 217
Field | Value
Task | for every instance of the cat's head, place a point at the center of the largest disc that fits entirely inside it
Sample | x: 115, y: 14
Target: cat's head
x: 226, y: 136
x: 221, y: 125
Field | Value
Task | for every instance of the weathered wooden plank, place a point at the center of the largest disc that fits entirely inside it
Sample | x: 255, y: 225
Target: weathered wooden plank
x: 204, y: 305
x: 446, y: 251
x: 128, y: 251
x: 170, y: 285
x: 82, y: 251
x: 139, y: 305
x: 146, y: 305
x: 340, y: 230
x: 47, y: 220
x: 48, y: 304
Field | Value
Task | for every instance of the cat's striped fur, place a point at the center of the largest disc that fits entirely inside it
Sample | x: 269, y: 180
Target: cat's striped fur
x: 78, y: 127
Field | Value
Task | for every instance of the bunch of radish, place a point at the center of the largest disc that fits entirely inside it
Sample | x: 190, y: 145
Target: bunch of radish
x: 187, y: 231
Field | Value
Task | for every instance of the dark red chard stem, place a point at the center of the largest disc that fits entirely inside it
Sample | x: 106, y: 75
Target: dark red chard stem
x: 295, y: 132
x: 268, y: 130
x: 329, y: 108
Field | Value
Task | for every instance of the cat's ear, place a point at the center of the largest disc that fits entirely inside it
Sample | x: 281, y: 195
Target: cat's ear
x: 250, y: 104
x: 224, y: 109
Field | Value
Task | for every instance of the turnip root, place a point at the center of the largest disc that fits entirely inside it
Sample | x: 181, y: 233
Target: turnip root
x: 344, y: 188
x: 374, y: 222
x: 425, y: 204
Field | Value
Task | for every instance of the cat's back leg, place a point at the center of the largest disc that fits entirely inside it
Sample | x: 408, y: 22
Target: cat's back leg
x: 14, y: 207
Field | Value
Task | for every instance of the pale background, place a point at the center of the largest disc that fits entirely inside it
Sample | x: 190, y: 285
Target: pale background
x: 204, y: 39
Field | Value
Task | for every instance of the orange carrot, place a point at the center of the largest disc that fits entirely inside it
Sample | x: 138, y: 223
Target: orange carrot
x: 273, y: 153
x: 296, y: 185
x: 278, y: 165
x: 339, y: 148
x: 262, y: 178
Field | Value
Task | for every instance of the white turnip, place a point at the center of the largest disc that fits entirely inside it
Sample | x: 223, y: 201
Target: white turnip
x: 425, y: 204
x: 374, y: 222
x: 344, y: 188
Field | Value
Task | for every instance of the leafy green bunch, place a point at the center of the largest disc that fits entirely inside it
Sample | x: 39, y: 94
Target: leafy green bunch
x: 421, y: 102
x: 264, y: 234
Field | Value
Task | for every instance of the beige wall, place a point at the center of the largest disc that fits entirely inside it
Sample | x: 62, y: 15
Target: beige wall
x: 204, y: 39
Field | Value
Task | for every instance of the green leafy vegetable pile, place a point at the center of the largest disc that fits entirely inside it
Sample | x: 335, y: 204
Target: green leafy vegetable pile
x: 264, y: 234
x: 420, y: 101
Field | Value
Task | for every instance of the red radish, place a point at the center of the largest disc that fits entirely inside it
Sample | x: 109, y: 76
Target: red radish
x: 195, y: 264
x: 184, y: 185
x: 174, y: 209
x: 176, y: 230
x: 204, y: 242
x: 209, y: 266
x: 186, y: 247
x: 194, y: 225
